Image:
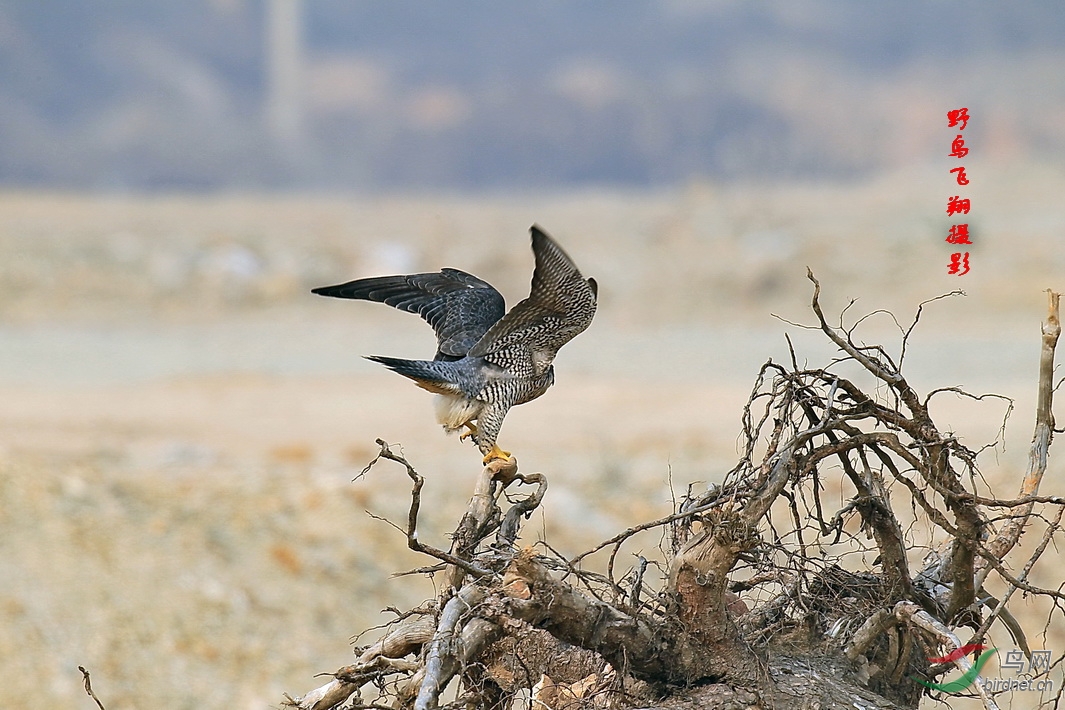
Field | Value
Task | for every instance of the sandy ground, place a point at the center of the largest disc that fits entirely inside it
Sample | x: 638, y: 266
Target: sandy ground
x: 180, y: 422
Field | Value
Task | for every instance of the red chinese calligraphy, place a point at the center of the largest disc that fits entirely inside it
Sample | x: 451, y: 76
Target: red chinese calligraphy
x: 958, y: 262
x: 957, y: 148
x: 959, y: 234
x: 958, y: 116
x: 956, y: 205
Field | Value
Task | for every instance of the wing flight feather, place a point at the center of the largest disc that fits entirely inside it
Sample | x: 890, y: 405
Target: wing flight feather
x: 560, y: 305
x: 460, y: 307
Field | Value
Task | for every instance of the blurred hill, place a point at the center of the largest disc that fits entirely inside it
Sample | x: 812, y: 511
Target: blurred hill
x: 128, y: 95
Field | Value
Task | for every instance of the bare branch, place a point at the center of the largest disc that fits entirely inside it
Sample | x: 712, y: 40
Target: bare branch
x: 917, y: 318
x: 412, y: 516
x: 1044, y: 433
x: 88, y: 687
x: 621, y: 537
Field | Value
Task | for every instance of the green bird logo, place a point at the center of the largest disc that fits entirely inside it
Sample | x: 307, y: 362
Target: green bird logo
x: 969, y: 677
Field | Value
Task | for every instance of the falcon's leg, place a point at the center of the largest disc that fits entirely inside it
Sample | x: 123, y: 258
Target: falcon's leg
x: 488, y: 425
x: 467, y: 434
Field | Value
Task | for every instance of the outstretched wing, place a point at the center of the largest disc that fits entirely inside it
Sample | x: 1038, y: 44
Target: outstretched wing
x: 560, y: 305
x: 460, y: 307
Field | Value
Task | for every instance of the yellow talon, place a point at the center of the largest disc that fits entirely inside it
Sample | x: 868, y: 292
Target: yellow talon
x: 496, y: 453
x: 467, y: 434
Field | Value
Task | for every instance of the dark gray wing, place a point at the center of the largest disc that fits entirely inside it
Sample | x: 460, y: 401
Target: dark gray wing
x: 560, y: 305
x: 460, y: 307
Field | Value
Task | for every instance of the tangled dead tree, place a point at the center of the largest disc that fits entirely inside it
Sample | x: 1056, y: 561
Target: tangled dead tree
x: 774, y: 593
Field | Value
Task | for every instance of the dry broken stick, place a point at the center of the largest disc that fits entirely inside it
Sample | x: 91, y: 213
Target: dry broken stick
x: 511, y: 524
x: 88, y: 687
x: 1018, y: 516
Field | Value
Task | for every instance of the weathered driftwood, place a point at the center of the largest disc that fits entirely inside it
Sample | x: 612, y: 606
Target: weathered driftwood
x: 750, y: 614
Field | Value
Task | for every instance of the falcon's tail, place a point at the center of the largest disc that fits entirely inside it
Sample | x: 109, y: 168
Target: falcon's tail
x: 432, y: 375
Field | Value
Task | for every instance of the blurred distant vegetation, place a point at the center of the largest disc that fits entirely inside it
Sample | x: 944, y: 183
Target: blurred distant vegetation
x: 421, y: 94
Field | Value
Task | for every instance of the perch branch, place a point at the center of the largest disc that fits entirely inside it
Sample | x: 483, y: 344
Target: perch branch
x: 482, y: 512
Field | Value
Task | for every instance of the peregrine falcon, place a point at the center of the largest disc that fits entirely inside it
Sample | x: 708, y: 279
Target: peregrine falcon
x: 487, y: 360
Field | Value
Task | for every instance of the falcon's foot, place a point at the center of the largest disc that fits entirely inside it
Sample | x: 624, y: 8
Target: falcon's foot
x: 496, y: 453
x: 472, y: 429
